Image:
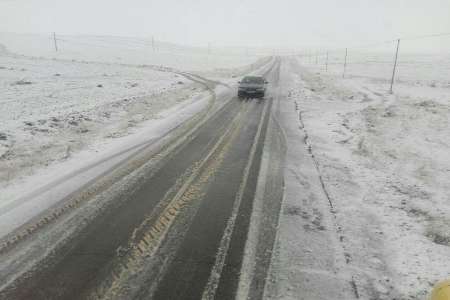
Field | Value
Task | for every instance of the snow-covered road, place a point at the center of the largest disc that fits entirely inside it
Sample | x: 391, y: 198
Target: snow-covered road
x: 366, y: 197
x: 65, y: 122
x: 167, y: 191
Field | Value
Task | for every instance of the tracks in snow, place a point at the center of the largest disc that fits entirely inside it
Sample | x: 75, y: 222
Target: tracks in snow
x: 133, y: 156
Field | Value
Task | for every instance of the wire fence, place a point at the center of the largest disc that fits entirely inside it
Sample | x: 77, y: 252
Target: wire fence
x: 413, y: 61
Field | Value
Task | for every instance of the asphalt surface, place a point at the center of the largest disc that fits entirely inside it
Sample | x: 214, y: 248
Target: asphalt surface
x: 181, y: 233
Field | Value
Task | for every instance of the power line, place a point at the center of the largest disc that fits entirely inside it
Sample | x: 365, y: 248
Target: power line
x: 425, y: 36
x: 393, y: 42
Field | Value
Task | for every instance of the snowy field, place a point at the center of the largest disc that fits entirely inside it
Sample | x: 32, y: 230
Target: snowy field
x: 50, y: 109
x: 385, y: 164
x: 415, y: 70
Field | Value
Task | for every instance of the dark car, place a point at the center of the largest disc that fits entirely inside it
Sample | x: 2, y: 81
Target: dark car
x: 252, y: 87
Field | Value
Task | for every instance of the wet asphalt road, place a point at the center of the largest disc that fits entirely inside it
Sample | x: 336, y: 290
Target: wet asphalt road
x: 181, y: 233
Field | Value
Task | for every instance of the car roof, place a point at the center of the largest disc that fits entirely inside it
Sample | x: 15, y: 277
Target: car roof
x: 253, y: 76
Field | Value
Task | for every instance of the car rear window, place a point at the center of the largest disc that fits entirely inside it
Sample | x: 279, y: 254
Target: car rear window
x: 251, y: 79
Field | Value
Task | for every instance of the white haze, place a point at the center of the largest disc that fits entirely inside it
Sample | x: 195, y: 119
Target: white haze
x: 280, y: 24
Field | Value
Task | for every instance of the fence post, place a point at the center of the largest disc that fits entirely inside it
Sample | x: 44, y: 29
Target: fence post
x: 345, y: 63
x: 395, y: 67
x: 54, y: 40
x: 326, y: 63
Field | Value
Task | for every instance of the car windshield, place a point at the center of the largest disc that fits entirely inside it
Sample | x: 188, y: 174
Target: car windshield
x: 253, y: 79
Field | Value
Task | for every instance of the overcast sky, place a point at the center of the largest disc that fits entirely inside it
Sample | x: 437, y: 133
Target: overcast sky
x: 232, y: 22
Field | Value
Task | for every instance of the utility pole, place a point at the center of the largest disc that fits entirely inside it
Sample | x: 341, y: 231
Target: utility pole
x: 345, y: 63
x: 326, y: 63
x: 395, y: 67
x: 54, y: 40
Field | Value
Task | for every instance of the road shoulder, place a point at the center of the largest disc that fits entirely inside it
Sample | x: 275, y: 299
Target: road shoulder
x: 307, y: 261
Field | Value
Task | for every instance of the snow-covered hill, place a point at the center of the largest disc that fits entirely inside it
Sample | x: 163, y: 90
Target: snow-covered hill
x: 129, y: 50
